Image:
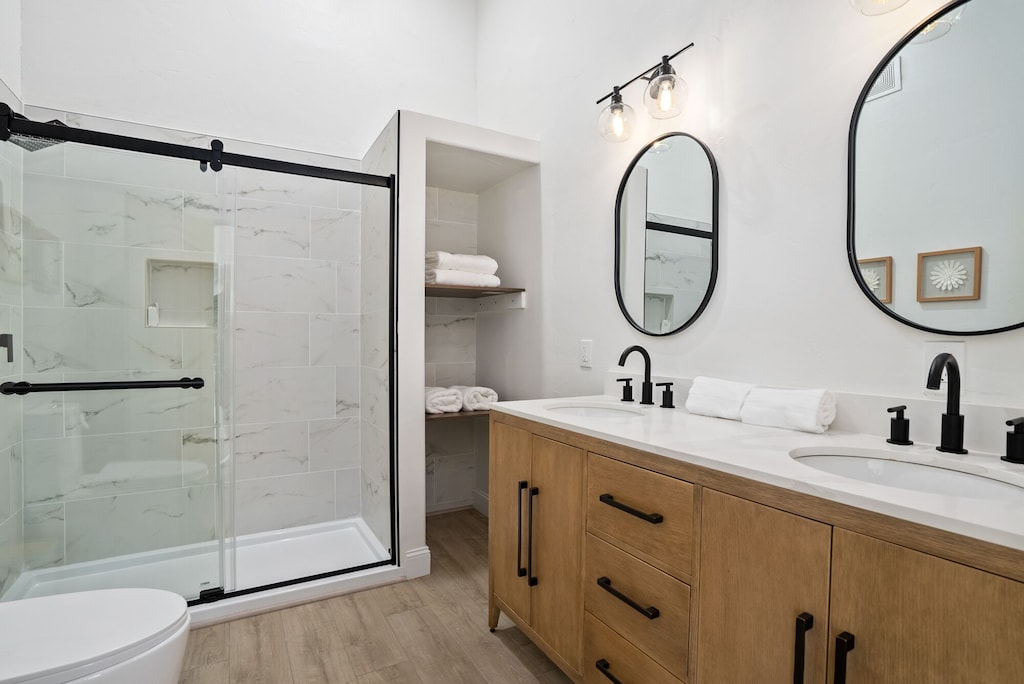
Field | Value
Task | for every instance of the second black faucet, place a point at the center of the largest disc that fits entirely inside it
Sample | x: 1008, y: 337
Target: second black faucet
x: 647, y: 388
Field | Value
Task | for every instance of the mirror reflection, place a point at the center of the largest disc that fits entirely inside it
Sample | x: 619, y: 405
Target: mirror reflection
x: 935, y: 238
x: 666, y: 217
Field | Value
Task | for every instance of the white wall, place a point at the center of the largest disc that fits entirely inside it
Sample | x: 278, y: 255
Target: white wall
x: 772, y: 90
x: 10, y: 45
x: 321, y: 75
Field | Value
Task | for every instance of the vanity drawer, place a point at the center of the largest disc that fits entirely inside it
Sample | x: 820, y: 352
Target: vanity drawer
x: 603, y: 648
x: 665, y: 637
x: 648, y: 514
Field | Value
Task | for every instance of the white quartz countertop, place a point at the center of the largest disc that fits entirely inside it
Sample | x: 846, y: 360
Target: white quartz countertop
x: 763, y: 454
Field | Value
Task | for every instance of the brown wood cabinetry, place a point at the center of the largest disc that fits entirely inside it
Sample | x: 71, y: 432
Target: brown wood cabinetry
x: 536, y: 540
x: 650, y: 569
x: 913, y: 617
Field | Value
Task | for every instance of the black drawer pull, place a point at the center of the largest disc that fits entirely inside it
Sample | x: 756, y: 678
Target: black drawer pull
x: 649, y: 613
x: 844, y: 644
x: 653, y: 518
x: 520, y: 570
x: 804, y: 622
x: 604, y: 668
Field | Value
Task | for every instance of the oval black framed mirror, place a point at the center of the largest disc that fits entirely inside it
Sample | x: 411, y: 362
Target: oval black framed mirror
x: 666, y: 234
x: 934, y: 208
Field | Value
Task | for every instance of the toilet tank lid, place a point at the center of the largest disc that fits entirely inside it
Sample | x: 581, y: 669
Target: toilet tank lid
x: 87, y: 630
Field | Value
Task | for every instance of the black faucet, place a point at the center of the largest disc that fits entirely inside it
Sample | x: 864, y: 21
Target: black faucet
x: 647, y: 388
x: 952, y: 441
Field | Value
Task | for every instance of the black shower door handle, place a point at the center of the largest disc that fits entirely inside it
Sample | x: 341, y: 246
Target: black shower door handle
x: 520, y: 570
x: 804, y: 622
x: 531, y: 579
x: 844, y: 644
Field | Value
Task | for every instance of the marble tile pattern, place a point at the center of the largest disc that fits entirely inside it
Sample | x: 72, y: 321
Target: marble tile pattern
x: 12, y: 556
x: 375, y: 356
x: 130, y: 471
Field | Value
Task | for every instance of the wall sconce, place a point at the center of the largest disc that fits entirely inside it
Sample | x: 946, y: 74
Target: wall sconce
x: 875, y: 7
x: 664, y: 97
x: 938, y: 28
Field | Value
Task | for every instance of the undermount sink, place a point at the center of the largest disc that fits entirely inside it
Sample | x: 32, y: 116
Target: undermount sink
x: 931, y: 475
x: 593, y: 409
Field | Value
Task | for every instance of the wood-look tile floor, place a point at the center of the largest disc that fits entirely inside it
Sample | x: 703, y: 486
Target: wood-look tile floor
x: 431, y: 629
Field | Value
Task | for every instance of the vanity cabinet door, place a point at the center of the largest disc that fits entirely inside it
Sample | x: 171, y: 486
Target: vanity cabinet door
x: 917, y: 618
x: 761, y: 568
x: 510, y: 464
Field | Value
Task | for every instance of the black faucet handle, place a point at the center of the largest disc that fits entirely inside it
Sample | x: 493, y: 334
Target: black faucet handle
x: 1015, y: 441
x: 899, y: 427
x: 666, y: 395
x: 627, y: 389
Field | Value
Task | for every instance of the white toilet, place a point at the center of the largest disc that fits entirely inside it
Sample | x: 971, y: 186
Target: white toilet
x: 107, y: 636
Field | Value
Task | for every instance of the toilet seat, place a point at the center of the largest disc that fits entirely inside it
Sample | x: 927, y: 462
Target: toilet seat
x: 52, y: 639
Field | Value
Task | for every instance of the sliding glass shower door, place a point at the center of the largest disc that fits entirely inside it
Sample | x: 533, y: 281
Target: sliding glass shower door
x: 121, y: 282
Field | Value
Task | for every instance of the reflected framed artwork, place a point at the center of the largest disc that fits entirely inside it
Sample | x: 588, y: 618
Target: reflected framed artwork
x: 949, y: 275
x: 877, y: 275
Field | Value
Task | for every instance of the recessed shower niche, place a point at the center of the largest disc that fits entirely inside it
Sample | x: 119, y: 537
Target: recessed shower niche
x: 179, y: 294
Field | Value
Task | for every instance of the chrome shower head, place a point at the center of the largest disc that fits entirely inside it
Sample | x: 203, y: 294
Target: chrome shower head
x: 34, y: 143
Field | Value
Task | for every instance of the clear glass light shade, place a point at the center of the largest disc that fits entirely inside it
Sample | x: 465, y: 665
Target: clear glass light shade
x: 938, y: 28
x: 665, y: 96
x: 617, y: 121
x: 874, y: 7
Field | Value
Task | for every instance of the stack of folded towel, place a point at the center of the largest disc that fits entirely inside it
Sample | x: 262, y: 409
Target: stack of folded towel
x: 445, y: 268
x: 810, y: 410
x: 459, y: 398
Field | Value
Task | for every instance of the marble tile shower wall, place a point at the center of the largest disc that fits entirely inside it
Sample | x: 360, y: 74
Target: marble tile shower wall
x: 93, y: 217
x: 11, y: 500
x: 450, y: 357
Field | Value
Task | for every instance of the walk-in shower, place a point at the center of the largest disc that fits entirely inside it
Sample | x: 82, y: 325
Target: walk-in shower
x: 200, y: 392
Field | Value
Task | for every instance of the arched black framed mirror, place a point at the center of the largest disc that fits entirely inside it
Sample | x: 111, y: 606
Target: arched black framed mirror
x: 666, y: 234
x: 934, y: 232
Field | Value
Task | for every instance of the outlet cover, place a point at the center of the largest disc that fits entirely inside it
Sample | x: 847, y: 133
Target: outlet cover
x: 933, y: 348
x: 586, y: 353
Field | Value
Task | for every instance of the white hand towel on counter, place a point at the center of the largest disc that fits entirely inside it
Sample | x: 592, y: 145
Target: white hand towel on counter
x: 472, y: 263
x: 443, y: 400
x: 716, y: 397
x: 810, y: 410
x: 476, y: 398
x: 442, y: 276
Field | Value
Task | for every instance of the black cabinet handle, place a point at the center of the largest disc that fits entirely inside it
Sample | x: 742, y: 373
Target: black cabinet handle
x: 520, y: 570
x: 531, y: 579
x: 653, y: 518
x: 604, y: 668
x: 844, y: 644
x: 649, y: 613
x: 804, y: 622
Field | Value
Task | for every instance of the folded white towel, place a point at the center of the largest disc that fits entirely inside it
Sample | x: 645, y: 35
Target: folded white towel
x: 472, y: 263
x: 808, y: 410
x: 476, y: 398
x: 441, y: 276
x: 443, y: 400
x: 716, y: 397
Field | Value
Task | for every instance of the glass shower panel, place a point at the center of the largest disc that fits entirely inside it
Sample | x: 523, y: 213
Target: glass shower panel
x: 310, y: 379
x: 121, y: 283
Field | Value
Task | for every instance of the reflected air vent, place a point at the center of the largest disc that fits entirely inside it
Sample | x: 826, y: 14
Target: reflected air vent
x: 888, y: 82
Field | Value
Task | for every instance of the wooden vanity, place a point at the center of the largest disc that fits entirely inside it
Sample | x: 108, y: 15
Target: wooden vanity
x: 629, y: 566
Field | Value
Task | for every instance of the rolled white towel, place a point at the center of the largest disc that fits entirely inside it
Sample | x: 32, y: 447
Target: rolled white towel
x: 810, y: 410
x: 472, y: 263
x: 443, y: 400
x: 716, y: 397
x: 441, y: 276
x: 476, y: 398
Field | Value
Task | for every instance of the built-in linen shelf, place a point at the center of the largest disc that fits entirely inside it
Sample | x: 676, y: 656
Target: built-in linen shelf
x: 468, y: 291
x: 486, y: 298
x: 457, y: 415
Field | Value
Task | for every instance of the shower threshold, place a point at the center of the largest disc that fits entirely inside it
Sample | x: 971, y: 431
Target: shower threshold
x: 260, y: 559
